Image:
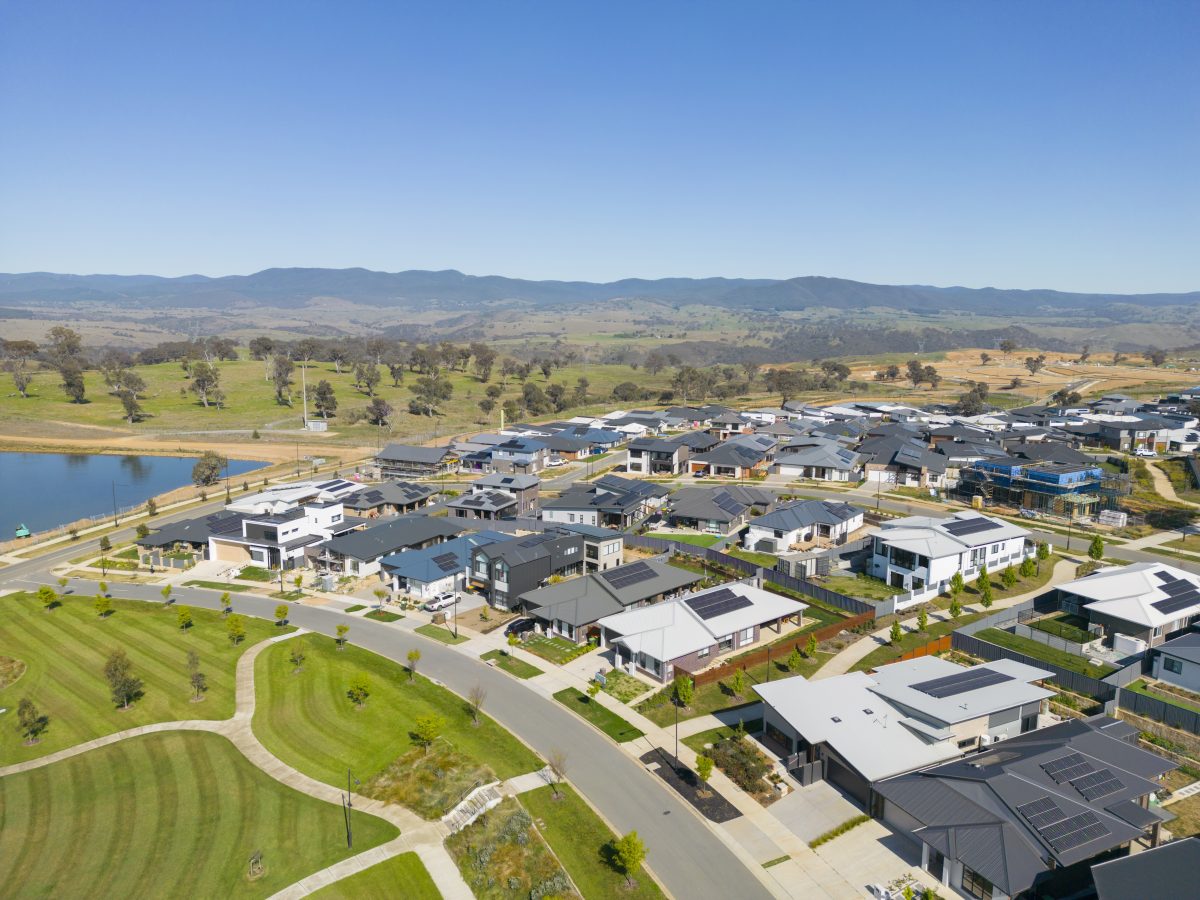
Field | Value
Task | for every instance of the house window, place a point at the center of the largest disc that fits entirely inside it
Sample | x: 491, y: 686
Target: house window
x: 700, y: 654
x: 571, y: 518
x: 747, y: 635
x: 726, y: 643
x: 975, y: 885
x: 1173, y: 665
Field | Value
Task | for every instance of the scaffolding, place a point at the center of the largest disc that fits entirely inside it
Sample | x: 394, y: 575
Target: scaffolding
x: 1057, y: 490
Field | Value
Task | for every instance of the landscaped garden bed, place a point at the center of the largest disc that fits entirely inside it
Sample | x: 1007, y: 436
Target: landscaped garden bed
x: 700, y: 741
x: 502, y: 857
x: 429, y: 782
x: 746, y: 765
x: 555, y: 649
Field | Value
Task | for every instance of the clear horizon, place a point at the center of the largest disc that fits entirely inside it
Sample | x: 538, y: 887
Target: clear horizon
x: 1023, y: 146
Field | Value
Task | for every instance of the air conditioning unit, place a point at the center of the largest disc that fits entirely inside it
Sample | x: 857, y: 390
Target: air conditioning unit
x: 985, y: 741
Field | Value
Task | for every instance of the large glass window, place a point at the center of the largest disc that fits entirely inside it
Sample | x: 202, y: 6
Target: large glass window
x: 975, y: 885
x: 1172, y: 665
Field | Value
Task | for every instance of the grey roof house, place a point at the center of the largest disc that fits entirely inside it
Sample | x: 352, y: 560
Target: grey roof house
x: 401, y: 460
x: 389, y: 498
x: 802, y: 522
x: 359, y: 552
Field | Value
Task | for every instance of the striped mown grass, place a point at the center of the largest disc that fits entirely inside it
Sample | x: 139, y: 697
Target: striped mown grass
x: 165, y: 815
x: 401, y: 876
x: 307, y: 720
x: 64, y: 651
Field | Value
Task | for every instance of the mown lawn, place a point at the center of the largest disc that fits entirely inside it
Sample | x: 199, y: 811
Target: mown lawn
x: 307, y: 720
x: 1065, y: 626
x: 862, y: 586
x: 554, y: 649
x: 64, y: 652
x: 1141, y: 687
x: 437, y: 632
x: 219, y: 586
x: 511, y: 664
x: 696, y: 540
x: 766, y: 560
x: 167, y: 815
x: 401, y: 876
x: 701, y: 740
x: 581, y: 841
x: 1044, y: 652
x: 600, y: 716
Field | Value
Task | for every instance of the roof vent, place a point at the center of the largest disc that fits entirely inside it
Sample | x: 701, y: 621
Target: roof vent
x: 835, y: 718
x: 869, y: 712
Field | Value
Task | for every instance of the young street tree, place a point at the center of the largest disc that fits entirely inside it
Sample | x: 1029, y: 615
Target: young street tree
x: 297, y: 656
x: 557, y: 763
x: 281, y: 614
x: 629, y: 853
x: 427, y: 729
x: 47, y: 597
x: 30, y: 721
x: 413, y: 657
x: 184, y: 617
x: 235, y: 628
x: 103, y: 606
x: 342, y: 631
x: 704, y: 767
x: 122, y: 683
x: 475, y: 700
x: 197, y: 679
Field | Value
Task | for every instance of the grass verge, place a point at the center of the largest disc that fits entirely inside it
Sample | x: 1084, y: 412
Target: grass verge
x: 438, y: 633
x: 602, y: 717
x: 511, y: 664
x: 219, y: 586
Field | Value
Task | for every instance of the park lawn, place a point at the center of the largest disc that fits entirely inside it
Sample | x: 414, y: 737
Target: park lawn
x: 166, y: 815
x: 1065, y: 626
x: 438, y: 633
x: 623, y: 686
x: 511, y: 664
x: 553, y: 648
x: 862, y: 586
x: 718, y: 695
x: 64, y: 652
x: 1140, y: 687
x: 401, y: 876
x: 701, y: 740
x: 219, y: 586
x: 581, y: 840
x: 766, y: 560
x: 307, y: 720
x: 600, y: 716
x: 910, y: 640
x: 1044, y: 652
x: 696, y: 540
x: 502, y: 856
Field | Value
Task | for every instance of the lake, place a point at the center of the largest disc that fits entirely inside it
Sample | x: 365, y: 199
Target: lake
x: 44, y: 490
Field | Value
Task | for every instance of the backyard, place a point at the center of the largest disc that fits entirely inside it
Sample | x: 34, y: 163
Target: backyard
x: 1165, y: 693
x: 64, y: 653
x: 1062, y: 658
x: 166, y: 815
x: 696, y: 540
x: 1066, y: 626
x: 307, y: 719
x: 862, y: 586
x: 911, y: 640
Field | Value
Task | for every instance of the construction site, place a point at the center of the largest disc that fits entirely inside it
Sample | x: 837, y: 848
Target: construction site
x: 1072, y: 492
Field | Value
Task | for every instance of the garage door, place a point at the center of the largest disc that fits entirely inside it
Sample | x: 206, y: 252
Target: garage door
x: 847, y: 779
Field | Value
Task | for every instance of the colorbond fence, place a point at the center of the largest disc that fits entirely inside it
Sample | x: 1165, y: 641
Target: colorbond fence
x: 940, y: 645
x: 1159, y: 710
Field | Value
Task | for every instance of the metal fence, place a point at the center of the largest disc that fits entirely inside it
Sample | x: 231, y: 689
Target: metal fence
x: 1159, y: 710
x: 1072, y: 681
x: 1193, y: 464
x: 1050, y: 640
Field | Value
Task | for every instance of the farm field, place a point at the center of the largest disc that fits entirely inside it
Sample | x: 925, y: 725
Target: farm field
x: 307, y: 720
x: 166, y: 815
x: 64, y: 652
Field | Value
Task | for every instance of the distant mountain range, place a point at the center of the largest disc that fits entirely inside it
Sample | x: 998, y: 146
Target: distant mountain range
x: 287, y: 287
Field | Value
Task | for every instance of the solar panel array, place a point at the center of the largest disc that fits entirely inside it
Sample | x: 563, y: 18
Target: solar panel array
x: 447, y: 562
x: 632, y: 574
x: 1061, y: 831
x: 961, y: 682
x: 1068, y: 768
x: 961, y: 527
x: 728, y: 504
x: 1098, y: 784
x: 717, y: 603
x: 1180, y: 594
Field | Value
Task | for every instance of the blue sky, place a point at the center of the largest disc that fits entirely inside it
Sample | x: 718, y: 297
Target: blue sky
x: 1015, y: 144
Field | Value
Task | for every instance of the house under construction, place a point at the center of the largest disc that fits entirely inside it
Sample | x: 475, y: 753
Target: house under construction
x: 1069, y: 491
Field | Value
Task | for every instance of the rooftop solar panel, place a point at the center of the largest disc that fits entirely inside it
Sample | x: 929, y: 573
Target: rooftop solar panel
x: 1098, y: 784
x: 447, y: 562
x: 961, y: 682
x: 1175, y: 588
x: 1165, y: 577
x: 717, y: 603
x: 1067, y: 768
x: 1175, y: 604
x: 1037, y: 807
x: 961, y: 527
x: 1074, y: 832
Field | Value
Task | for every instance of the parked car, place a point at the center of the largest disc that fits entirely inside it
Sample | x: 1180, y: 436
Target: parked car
x: 441, y: 601
x: 556, y: 461
x: 520, y: 626
x: 1144, y: 452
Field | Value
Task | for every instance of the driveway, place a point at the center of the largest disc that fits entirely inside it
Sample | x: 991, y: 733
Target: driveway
x: 811, y: 811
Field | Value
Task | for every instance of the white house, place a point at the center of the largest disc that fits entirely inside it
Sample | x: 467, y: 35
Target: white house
x: 1140, y: 605
x: 921, y: 554
x: 820, y: 461
x: 802, y: 522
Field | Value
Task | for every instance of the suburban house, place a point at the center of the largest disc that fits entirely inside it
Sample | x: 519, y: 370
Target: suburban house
x: 520, y: 455
x: 1139, y: 605
x: 572, y: 608
x: 287, y: 497
x: 691, y: 633
x: 505, y: 570
x: 405, y: 461
x: 802, y: 522
x: 279, y: 540
x: 715, y: 510
x: 189, y: 534
x: 728, y: 424
x: 607, y: 501
x: 391, y: 498
x: 424, y: 574
x: 657, y: 456
x: 858, y: 728
x: 483, y: 505
x: 596, y: 440
x: 603, y: 548
x: 823, y: 461
x: 921, y: 554
x: 565, y: 447
x: 1154, y: 874
x: 697, y: 441
x: 359, y: 553
x: 1070, y: 490
x: 523, y: 488
x: 1177, y: 662
x: 906, y: 461
x: 743, y: 456
x: 1031, y: 817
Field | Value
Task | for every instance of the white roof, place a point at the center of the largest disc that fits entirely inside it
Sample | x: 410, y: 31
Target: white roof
x: 928, y: 536
x: 672, y: 628
x: 1129, y: 592
x: 883, y: 725
x: 288, y: 496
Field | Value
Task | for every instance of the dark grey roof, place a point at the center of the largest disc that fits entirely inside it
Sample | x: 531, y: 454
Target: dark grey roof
x: 803, y: 513
x: 527, y: 548
x: 409, y: 453
x: 503, y: 481
x: 398, y: 493
x: 581, y: 601
x: 392, y: 535
x: 1158, y: 874
x: 193, y: 531
x: 1186, y: 647
x: 983, y: 793
x: 484, y: 501
x: 714, y: 504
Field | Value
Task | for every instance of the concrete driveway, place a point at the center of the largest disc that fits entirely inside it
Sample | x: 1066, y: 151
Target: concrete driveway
x: 811, y: 811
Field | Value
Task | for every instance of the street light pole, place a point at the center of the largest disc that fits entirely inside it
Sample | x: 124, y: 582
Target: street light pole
x: 677, y: 734
x: 456, y: 615
x: 116, y: 521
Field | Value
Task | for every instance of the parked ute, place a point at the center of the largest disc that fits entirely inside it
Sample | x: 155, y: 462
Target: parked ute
x: 441, y: 601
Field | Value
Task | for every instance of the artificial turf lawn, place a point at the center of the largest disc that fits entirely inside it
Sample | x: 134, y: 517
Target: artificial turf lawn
x: 64, y: 651
x: 166, y: 815
x: 401, y: 876
x: 600, y: 716
x: 307, y: 720
x: 580, y: 839
x: 511, y: 664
